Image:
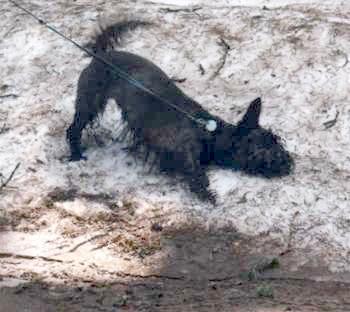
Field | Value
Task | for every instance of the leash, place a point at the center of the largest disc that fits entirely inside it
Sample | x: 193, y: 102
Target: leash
x: 210, y: 125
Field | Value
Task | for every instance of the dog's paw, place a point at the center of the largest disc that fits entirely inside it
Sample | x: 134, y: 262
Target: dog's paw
x: 77, y: 157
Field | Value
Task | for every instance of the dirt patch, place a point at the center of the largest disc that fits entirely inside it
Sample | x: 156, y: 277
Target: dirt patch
x: 199, y: 271
x: 151, y: 266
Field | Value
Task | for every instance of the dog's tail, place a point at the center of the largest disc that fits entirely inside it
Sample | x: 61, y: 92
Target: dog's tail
x: 110, y: 37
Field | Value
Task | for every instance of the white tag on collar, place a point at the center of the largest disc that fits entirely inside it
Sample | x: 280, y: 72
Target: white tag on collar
x: 211, y: 125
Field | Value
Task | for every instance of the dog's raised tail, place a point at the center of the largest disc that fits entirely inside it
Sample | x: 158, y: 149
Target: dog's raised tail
x: 111, y: 36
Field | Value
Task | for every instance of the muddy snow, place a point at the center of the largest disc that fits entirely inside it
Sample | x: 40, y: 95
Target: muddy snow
x: 109, y: 216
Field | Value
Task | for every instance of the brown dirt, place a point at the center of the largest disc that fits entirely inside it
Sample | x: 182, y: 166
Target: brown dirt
x: 193, y: 270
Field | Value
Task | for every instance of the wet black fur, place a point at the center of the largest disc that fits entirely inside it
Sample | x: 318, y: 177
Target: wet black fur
x: 181, y: 145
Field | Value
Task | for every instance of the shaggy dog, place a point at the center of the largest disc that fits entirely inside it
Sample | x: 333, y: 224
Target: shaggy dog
x: 180, y: 144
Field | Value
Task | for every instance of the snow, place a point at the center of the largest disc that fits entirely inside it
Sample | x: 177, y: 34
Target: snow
x: 294, y: 54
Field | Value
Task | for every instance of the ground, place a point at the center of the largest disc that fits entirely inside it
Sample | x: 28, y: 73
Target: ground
x: 107, y: 234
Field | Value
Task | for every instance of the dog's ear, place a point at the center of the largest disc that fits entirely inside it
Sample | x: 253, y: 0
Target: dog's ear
x: 250, y: 120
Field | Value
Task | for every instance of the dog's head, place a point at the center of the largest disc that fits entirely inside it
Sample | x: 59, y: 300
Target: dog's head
x: 253, y: 149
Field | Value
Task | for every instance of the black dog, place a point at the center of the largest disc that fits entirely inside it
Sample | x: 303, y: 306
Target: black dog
x: 181, y: 145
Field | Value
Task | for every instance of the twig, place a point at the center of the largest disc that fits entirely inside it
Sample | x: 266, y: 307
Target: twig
x: 179, y: 80
x: 4, y: 128
x: 100, y: 246
x: 9, y: 95
x: 87, y: 241
x: 226, y: 48
x: 201, y: 69
x: 330, y: 123
x: 4, y: 184
x: 169, y: 10
x: 27, y: 257
x: 224, y: 44
x: 9, y: 31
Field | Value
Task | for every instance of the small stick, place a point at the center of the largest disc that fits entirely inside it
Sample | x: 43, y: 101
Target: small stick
x: 201, y: 69
x: 87, y: 241
x: 9, y: 95
x: 330, y: 123
x: 190, y: 10
x: 27, y: 257
x: 4, y: 184
x: 4, y: 128
x: 179, y: 80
